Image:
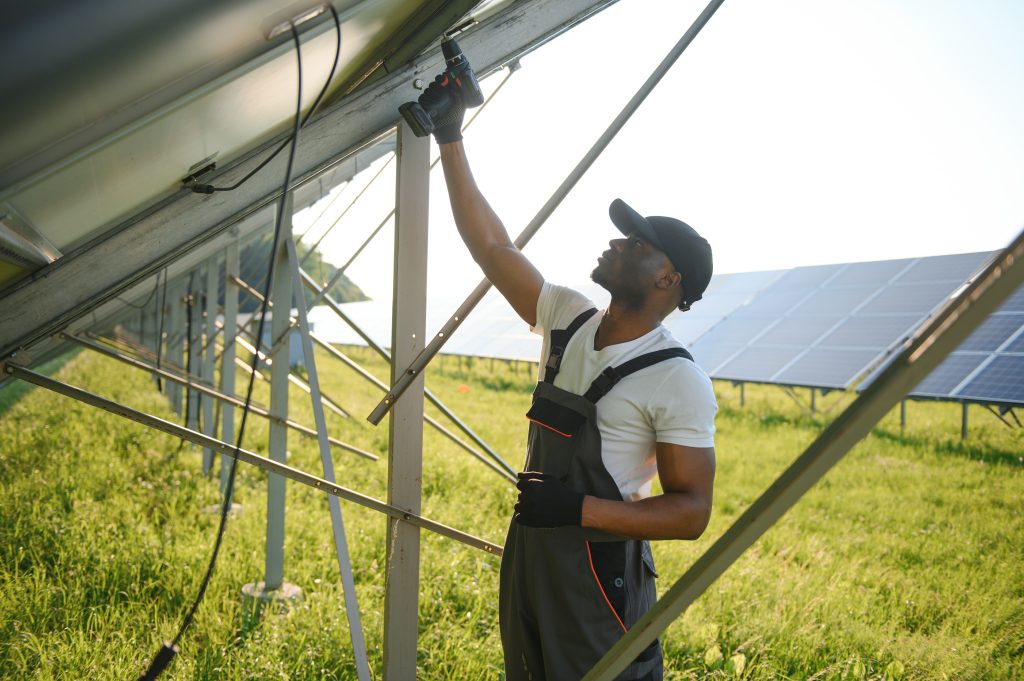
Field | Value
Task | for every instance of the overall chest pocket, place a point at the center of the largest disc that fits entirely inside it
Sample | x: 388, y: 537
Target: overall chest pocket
x: 555, y: 417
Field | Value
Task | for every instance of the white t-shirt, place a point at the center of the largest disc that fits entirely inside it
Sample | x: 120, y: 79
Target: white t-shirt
x: 672, y: 401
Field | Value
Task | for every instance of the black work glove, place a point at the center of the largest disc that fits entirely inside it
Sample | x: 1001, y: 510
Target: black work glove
x: 448, y: 124
x: 545, y: 501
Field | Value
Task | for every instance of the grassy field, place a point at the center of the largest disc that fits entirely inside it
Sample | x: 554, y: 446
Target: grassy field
x: 904, y: 563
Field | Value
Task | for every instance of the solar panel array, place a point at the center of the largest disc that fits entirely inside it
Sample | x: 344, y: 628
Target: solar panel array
x: 826, y: 326
x: 988, y: 366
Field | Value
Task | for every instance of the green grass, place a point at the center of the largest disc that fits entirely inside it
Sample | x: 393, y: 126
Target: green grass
x: 904, y: 563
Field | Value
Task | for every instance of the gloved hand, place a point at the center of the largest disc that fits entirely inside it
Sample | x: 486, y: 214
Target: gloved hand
x: 545, y: 501
x: 445, y: 94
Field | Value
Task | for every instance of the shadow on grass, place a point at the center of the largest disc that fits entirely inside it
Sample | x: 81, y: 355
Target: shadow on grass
x: 13, y: 390
x: 963, y: 448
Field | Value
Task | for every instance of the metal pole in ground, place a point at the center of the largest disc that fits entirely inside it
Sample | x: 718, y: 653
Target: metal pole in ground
x: 227, y: 366
x: 209, y: 355
x: 405, y: 463
x: 355, y: 626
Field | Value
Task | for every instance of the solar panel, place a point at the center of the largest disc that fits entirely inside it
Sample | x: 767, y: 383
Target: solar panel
x: 947, y: 376
x: 834, y: 301
x: 1002, y: 380
x: 992, y: 333
x: 757, y: 364
x: 917, y: 298
x: 871, y: 273
x: 807, y: 277
x: 772, y: 302
x: 826, y: 367
x: 797, y: 331
x: 989, y: 365
x: 956, y: 268
x: 710, y: 357
x: 871, y: 332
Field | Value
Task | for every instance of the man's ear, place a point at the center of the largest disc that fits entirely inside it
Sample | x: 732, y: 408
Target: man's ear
x: 670, y: 280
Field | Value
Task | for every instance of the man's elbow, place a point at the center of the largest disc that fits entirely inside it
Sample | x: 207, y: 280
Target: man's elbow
x: 693, y: 520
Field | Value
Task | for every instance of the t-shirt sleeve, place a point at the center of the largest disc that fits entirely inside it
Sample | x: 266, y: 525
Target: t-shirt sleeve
x: 557, y: 306
x: 682, y: 410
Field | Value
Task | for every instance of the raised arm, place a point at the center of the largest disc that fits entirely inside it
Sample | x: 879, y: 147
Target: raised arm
x: 486, y: 237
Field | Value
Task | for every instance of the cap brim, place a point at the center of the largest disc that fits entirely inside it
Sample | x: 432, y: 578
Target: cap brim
x: 629, y: 222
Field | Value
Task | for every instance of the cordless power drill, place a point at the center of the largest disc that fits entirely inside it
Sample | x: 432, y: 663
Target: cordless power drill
x: 423, y: 114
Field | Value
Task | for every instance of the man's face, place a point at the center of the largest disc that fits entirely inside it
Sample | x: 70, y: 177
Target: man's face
x: 629, y: 269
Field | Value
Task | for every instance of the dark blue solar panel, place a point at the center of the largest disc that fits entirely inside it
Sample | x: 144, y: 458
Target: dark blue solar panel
x: 992, y: 333
x: 757, y: 364
x: 1002, y: 380
x: 947, y: 376
x: 956, y: 268
x: 871, y: 332
x: 827, y: 368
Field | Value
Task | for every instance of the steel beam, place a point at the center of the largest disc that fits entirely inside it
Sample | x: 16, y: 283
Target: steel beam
x: 227, y: 365
x: 229, y: 400
x: 405, y: 462
x: 277, y: 445
x: 355, y: 625
x: 269, y: 465
x: 918, y: 356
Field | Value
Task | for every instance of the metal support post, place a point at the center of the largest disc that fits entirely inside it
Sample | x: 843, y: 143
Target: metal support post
x: 355, y: 626
x: 903, y: 416
x: 813, y: 393
x: 405, y: 463
x: 195, y: 341
x: 227, y: 366
x: 209, y: 355
x: 963, y: 420
x: 281, y: 290
x: 175, y: 348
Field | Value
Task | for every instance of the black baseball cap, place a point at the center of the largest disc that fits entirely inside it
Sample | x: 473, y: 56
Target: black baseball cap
x: 688, y: 251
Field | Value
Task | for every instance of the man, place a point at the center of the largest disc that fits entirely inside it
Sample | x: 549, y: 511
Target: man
x: 619, y: 401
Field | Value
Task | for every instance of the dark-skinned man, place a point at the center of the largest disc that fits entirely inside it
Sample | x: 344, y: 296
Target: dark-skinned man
x: 619, y: 401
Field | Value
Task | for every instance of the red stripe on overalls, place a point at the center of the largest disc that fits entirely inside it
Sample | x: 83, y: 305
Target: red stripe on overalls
x: 553, y: 430
x: 607, y: 602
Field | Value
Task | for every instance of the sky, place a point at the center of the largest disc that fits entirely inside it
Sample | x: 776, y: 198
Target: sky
x: 788, y: 134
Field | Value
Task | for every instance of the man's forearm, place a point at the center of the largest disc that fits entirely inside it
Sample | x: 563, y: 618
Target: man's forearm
x: 478, y: 224
x: 674, y: 515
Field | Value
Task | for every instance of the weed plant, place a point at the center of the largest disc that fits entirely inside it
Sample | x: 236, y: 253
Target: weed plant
x: 904, y: 563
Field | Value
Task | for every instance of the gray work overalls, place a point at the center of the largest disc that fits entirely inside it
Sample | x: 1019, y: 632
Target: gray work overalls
x: 568, y: 593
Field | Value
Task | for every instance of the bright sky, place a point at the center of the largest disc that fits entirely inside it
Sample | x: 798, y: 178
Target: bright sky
x: 788, y: 134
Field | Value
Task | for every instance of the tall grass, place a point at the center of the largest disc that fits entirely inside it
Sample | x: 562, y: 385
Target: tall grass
x: 904, y: 563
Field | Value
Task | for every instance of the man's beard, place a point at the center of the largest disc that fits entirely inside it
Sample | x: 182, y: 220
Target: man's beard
x: 629, y: 297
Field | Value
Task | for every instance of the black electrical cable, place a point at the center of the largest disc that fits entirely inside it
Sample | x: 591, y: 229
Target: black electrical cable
x: 169, y: 650
x: 209, y: 188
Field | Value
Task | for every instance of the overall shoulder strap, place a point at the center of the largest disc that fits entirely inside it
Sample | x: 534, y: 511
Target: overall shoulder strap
x: 559, y: 341
x: 612, y: 375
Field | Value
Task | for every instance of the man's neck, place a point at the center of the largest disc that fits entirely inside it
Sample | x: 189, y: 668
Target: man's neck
x: 621, y: 324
